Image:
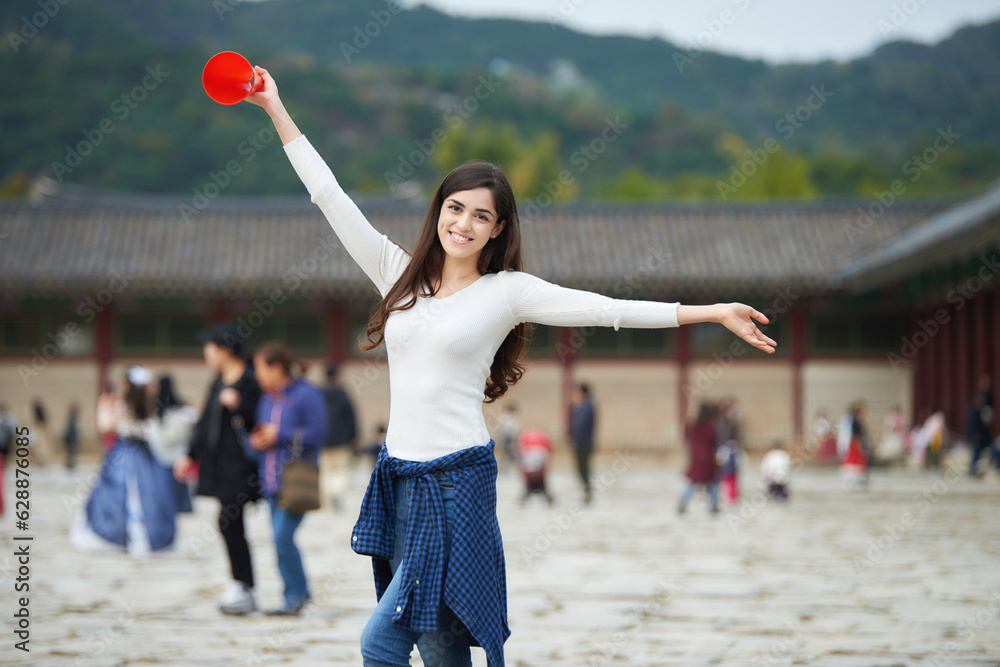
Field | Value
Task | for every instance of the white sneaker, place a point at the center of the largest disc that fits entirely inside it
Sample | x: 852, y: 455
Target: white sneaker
x: 237, y: 600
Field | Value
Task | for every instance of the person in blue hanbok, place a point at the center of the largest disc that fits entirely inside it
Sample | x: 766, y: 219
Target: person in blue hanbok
x: 131, y: 505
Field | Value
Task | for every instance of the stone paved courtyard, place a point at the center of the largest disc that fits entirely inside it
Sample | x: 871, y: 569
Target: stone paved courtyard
x: 907, y: 573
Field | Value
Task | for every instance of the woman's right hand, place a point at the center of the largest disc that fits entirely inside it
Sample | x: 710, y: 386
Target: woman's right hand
x: 267, y: 96
x: 230, y: 398
x: 181, y: 468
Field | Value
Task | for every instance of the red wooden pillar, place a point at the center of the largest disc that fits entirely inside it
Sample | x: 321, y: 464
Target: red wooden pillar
x: 932, y: 356
x: 682, y: 356
x: 104, y: 327
x: 962, y: 346
x: 980, y: 351
x: 994, y: 336
x: 336, y: 339
x: 797, y: 317
x: 918, y: 392
x: 947, y: 349
x: 219, y: 311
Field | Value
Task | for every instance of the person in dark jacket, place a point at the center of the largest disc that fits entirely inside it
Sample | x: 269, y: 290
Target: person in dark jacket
x: 700, y: 436
x: 582, y: 422
x: 291, y: 424
x: 979, y: 423
x: 341, y: 438
x: 71, y: 437
x: 224, y: 471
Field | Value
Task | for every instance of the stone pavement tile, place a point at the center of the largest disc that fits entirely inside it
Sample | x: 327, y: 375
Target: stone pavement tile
x: 625, y: 579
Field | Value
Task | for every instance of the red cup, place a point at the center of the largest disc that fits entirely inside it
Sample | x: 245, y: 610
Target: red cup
x: 229, y: 78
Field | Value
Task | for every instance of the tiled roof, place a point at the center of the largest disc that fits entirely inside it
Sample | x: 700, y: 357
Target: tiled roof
x: 963, y: 232
x: 251, y: 245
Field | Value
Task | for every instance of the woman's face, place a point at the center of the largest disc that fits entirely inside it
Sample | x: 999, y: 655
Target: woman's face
x: 213, y: 356
x: 467, y: 220
x: 268, y: 377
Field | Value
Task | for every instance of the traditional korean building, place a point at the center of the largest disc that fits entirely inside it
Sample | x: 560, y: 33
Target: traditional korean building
x: 853, y: 289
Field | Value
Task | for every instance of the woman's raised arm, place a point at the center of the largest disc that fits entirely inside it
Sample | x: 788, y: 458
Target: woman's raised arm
x: 381, y: 259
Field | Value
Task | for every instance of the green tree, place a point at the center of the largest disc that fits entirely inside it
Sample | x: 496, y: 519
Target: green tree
x: 530, y: 164
x: 763, y: 172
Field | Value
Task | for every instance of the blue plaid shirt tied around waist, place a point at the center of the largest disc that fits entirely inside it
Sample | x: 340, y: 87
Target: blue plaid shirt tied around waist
x: 475, y: 584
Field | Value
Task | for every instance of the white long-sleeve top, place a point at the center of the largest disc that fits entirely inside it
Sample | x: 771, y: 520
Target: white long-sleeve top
x: 440, y: 351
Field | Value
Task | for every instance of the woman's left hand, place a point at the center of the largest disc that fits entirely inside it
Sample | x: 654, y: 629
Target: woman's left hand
x: 264, y: 437
x: 739, y: 318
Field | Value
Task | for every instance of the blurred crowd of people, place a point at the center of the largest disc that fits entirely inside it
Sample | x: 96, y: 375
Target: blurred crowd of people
x: 259, y: 415
x: 923, y: 445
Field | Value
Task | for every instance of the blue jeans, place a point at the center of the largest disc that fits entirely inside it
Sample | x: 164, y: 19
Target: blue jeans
x: 289, y: 559
x: 713, y: 494
x: 386, y: 644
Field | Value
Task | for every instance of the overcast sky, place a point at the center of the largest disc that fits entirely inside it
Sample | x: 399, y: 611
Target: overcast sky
x: 776, y: 30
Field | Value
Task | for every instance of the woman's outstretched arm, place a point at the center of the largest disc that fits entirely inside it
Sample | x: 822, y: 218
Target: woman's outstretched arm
x: 532, y: 299
x: 381, y: 259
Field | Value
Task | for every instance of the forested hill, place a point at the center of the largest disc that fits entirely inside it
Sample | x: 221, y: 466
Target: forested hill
x: 368, y: 79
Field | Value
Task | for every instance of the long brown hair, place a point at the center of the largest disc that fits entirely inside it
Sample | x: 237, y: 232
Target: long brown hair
x: 137, y: 400
x: 499, y: 254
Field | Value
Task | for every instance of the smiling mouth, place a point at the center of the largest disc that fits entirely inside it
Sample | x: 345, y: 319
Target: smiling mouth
x: 458, y: 238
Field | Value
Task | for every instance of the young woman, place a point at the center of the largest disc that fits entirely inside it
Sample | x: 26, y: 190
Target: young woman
x: 702, y: 470
x: 224, y: 471
x: 452, y: 317
x: 291, y: 424
x: 131, y: 507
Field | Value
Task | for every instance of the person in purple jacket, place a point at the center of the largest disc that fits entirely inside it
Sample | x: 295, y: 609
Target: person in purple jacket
x: 289, y: 406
